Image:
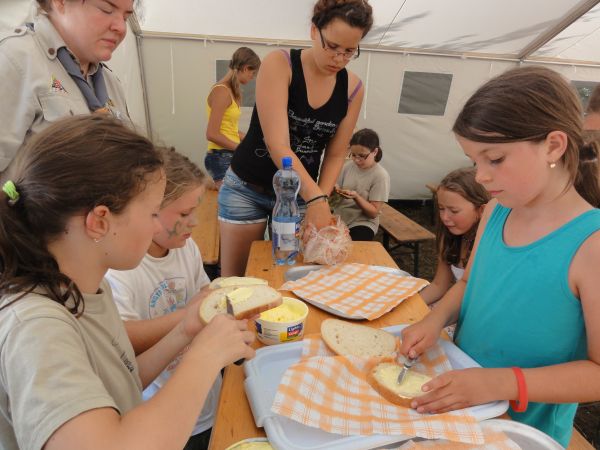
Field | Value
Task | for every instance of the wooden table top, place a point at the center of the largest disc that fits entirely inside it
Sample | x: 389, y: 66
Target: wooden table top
x: 234, y: 420
x: 206, y: 233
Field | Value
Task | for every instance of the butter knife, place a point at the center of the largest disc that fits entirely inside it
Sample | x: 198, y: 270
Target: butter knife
x: 408, y: 363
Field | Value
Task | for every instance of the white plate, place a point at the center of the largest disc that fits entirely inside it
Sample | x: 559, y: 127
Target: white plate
x: 264, y: 373
x: 295, y: 273
x: 528, y: 438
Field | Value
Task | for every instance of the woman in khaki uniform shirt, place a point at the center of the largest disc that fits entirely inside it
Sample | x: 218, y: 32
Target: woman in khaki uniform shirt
x: 41, y: 82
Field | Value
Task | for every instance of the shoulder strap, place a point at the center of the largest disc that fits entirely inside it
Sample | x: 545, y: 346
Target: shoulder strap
x: 355, y: 91
x: 226, y: 87
x: 12, y: 32
x: 287, y: 56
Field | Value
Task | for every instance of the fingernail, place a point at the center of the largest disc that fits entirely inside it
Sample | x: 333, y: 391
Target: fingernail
x: 425, y: 388
x: 413, y: 405
x: 420, y: 409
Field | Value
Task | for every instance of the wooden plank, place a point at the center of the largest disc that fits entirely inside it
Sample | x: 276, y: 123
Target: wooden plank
x: 206, y: 233
x: 401, y: 228
x: 234, y: 420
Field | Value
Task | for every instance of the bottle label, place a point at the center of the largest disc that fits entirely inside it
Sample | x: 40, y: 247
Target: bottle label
x: 285, y: 235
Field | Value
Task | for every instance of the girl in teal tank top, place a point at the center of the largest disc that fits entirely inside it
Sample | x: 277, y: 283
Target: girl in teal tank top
x: 528, y: 306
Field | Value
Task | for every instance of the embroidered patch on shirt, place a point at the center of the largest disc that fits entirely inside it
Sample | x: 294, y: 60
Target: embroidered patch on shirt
x: 56, y: 85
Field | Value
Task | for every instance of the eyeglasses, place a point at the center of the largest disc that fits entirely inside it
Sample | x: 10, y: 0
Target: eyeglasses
x: 347, y: 55
x: 360, y: 157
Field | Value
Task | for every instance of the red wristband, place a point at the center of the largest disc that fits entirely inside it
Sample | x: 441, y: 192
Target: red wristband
x: 520, y: 405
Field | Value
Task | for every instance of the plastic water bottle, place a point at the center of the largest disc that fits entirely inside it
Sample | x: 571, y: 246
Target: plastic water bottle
x: 286, y: 215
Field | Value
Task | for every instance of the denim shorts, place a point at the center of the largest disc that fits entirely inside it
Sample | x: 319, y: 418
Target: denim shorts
x: 217, y: 162
x: 241, y: 203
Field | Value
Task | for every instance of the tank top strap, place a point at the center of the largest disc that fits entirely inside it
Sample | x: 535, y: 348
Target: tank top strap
x: 287, y: 56
x: 226, y: 87
x: 355, y: 91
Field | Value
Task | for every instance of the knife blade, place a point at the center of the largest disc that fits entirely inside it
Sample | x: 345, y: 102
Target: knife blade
x: 408, y: 363
x: 239, y: 362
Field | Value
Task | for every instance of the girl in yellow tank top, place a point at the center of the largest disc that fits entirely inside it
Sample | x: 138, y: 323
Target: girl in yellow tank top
x: 223, y: 112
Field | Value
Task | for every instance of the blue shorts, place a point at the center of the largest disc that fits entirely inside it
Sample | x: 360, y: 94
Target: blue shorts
x: 217, y: 162
x: 242, y: 203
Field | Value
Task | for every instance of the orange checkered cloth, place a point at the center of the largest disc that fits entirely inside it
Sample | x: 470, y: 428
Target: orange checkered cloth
x: 356, y: 289
x: 331, y: 393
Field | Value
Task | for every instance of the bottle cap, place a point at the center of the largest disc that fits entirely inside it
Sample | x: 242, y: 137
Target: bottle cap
x: 286, y: 161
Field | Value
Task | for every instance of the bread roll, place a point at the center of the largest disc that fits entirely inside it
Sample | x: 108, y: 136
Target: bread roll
x: 348, y: 339
x: 246, y: 301
x: 383, y: 377
x: 222, y: 282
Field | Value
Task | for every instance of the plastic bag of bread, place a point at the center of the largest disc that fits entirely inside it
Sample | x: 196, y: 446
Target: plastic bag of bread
x: 329, y: 245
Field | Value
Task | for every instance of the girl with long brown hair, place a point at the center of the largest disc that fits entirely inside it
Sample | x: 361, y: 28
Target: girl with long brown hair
x: 460, y: 200
x: 528, y: 305
x: 83, y: 197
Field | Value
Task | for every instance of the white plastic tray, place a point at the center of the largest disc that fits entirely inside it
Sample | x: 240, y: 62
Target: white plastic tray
x: 295, y: 273
x: 265, y: 371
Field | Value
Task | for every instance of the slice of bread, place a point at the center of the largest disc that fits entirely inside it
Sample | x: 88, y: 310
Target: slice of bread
x: 348, y: 339
x: 222, y: 282
x: 246, y: 301
x: 383, y: 376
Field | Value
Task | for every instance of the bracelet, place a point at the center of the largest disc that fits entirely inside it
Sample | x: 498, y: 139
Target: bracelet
x: 318, y: 197
x: 520, y: 405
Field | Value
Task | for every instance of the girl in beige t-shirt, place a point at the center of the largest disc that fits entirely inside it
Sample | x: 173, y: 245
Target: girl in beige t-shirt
x: 363, y: 186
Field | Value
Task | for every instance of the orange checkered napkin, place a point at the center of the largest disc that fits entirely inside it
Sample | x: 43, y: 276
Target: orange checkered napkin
x: 332, y: 393
x: 494, y: 440
x: 356, y: 289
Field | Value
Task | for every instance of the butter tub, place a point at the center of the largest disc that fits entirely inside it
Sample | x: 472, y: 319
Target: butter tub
x: 284, y: 323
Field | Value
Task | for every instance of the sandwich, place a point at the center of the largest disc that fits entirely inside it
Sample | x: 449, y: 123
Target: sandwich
x: 222, y: 282
x: 244, y: 301
x: 348, y: 339
x: 383, y: 377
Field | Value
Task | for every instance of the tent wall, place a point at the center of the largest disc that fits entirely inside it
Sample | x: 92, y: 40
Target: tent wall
x: 417, y: 149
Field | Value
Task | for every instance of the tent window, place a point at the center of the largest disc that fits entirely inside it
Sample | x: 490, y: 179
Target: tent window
x: 584, y: 89
x: 424, y: 93
x: 248, y: 90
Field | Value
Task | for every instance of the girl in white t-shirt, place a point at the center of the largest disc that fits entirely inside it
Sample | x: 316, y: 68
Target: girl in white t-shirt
x: 171, y: 275
x: 460, y: 201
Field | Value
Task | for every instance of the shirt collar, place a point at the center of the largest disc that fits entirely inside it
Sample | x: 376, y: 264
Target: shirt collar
x: 51, y: 40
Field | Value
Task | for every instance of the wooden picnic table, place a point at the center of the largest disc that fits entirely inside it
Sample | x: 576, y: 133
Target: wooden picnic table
x: 206, y: 233
x: 234, y: 420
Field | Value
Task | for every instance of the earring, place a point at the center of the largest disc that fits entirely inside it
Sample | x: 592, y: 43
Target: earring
x: 552, y: 165
x: 96, y: 240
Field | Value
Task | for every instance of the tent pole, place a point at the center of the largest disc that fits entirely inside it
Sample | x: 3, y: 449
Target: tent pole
x: 546, y: 37
x: 137, y: 31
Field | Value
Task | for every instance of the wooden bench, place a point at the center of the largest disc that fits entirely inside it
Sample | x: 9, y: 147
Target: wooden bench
x: 578, y: 442
x: 404, y: 231
x: 206, y: 233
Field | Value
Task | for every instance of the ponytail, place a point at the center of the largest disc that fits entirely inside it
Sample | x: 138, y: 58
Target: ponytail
x: 586, y: 181
x: 243, y: 57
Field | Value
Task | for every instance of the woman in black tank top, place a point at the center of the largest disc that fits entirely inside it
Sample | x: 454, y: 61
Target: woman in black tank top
x: 307, y: 105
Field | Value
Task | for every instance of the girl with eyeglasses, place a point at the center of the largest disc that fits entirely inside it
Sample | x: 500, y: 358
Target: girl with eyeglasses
x: 307, y: 105
x: 364, y: 186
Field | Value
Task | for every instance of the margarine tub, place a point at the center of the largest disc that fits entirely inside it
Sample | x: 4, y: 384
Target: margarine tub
x: 251, y: 444
x: 284, y: 323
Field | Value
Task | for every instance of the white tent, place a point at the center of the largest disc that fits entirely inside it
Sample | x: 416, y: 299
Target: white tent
x: 169, y: 62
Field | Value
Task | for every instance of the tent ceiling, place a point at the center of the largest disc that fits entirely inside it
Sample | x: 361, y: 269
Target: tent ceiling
x: 491, y: 28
